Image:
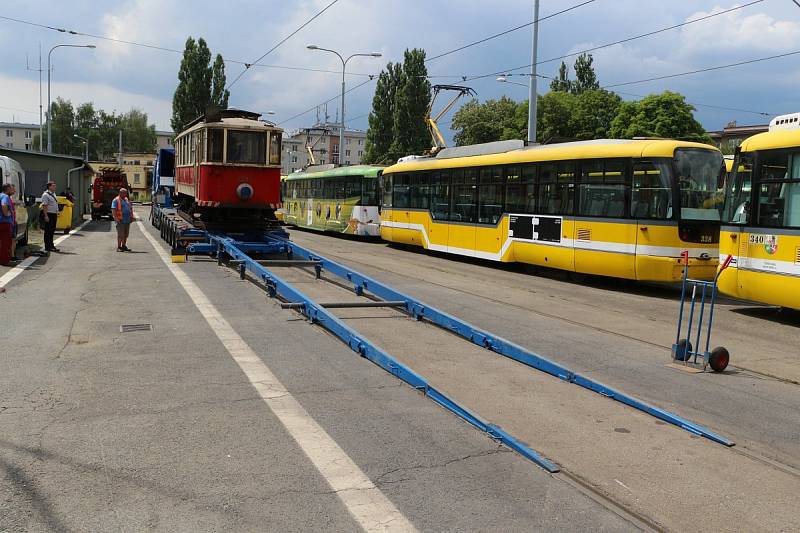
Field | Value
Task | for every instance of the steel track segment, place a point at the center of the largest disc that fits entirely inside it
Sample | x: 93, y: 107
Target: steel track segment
x: 277, y: 287
x: 420, y: 310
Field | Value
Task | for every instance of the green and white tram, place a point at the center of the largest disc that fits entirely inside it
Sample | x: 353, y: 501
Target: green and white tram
x: 339, y: 200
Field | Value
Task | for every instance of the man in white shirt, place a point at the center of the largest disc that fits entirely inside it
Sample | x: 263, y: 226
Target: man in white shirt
x: 50, y: 215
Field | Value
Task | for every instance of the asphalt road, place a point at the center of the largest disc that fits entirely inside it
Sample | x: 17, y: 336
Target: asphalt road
x: 616, y: 332
x: 166, y: 429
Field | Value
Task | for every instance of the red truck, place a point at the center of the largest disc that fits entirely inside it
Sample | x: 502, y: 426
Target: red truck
x: 107, y: 183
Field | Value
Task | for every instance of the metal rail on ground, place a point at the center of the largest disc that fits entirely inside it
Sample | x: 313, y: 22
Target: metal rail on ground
x: 238, y: 247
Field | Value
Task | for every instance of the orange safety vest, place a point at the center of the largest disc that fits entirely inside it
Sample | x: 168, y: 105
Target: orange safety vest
x: 118, y: 215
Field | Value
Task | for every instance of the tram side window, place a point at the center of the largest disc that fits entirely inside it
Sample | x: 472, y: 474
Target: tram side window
x: 462, y: 207
x: 602, y: 188
x: 440, y: 195
x: 274, y: 148
x: 353, y: 187
x: 779, y: 190
x: 386, y: 190
x: 368, y: 192
x: 419, y: 194
x: 215, y: 144
x: 557, y: 188
x: 490, y: 195
x: 400, y: 188
x: 521, y: 189
x: 651, y: 194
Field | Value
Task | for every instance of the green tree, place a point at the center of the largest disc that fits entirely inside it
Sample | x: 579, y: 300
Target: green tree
x: 585, y: 76
x: 219, y: 94
x: 658, y: 115
x: 594, y: 111
x: 493, y: 120
x: 380, y: 133
x: 413, y: 96
x: 108, y: 126
x: 137, y: 134
x: 62, y: 126
x: 193, y: 93
x: 562, y: 83
x: 555, y: 120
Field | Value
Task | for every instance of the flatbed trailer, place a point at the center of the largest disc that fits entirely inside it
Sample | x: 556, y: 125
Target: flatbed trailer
x: 262, y: 255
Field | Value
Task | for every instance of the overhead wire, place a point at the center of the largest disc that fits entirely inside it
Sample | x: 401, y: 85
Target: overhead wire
x: 621, y: 41
x: 506, y: 32
x: 279, y: 43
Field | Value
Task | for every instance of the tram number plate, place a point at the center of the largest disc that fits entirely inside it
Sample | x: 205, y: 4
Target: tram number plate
x: 535, y: 228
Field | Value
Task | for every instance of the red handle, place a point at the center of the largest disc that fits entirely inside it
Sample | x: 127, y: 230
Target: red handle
x: 726, y: 263
x: 685, y: 257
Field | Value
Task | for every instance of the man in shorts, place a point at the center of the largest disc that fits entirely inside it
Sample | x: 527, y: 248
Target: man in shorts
x: 122, y: 209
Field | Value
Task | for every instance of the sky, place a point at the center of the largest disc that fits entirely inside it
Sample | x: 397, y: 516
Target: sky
x: 117, y: 76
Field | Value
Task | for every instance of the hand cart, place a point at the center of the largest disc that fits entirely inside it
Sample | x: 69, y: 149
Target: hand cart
x: 682, y: 350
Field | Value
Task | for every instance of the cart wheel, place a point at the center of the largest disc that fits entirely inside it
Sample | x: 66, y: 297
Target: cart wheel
x: 719, y: 358
x: 682, y: 350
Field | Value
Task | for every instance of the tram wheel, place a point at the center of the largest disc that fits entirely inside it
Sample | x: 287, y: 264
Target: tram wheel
x: 682, y: 350
x: 719, y: 359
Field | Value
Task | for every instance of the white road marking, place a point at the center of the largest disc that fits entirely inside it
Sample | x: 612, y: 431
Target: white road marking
x: 6, y: 278
x: 365, y: 502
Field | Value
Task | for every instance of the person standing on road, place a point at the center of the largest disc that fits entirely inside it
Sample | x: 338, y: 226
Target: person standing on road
x: 122, y: 209
x: 7, y: 222
x: 50, y: 216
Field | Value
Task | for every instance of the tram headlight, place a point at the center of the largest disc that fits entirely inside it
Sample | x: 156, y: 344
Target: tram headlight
x: 244, y: 191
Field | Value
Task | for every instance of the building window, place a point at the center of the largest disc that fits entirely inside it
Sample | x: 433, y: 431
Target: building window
x: 9, y: 145
x: 360, y: 142
x: 136, y: 178
x: 321, y: 161
x: 347, y: 162
x: 28, y: 146
x: 29, y: 134
x: 9, y: 133
x: 347, y: 152
x: 360, y: 153
x: 294, y: 159
x: 347, y: 142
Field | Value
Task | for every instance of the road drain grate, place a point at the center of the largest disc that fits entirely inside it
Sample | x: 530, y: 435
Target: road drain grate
x: 127, y: 328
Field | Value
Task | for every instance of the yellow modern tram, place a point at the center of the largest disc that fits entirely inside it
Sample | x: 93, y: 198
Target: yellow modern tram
x: 762, y: 221
x: 620, y: 208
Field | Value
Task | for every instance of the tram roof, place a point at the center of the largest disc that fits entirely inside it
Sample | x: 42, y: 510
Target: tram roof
x: 772, y: 140
x: 369, y: 171
x: 598, y: 148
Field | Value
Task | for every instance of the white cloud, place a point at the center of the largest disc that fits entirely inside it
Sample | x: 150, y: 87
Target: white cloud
x: 103, y: 96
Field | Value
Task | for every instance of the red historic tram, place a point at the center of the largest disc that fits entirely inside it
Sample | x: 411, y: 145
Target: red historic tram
x: 228, y: 168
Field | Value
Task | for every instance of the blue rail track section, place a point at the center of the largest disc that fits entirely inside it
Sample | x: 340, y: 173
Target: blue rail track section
x: 237, y: 248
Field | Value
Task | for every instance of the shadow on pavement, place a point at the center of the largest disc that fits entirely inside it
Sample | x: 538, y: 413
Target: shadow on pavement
x: 781, y: 315
x: 97, y: 226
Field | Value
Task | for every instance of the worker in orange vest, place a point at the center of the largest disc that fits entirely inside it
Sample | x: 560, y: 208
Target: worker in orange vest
x: 122, y: 209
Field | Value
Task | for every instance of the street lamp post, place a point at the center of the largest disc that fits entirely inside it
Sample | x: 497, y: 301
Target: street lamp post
x: 532, y: 101
x: 344, y: 66
x: 49, y: 110
x: 85, y: 140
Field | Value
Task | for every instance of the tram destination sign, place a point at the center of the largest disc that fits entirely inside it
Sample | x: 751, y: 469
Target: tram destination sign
x: 535, y: 228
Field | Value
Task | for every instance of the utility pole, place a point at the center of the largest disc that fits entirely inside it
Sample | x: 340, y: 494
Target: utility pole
x: 119, y: 156
x: 532, y: 102
x: 40, y: 69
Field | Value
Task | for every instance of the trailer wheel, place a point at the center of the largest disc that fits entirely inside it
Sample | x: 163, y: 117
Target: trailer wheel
x: 719, y: 359
x: 682, y: 350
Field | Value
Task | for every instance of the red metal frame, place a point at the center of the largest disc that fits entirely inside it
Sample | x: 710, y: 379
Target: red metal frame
x: 216, y: 184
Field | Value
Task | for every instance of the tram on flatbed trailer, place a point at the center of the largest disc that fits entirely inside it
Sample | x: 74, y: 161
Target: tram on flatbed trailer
x: 227, y: 169
x: 762, y: 220
x: 619, y: 208
x: 340, y: 200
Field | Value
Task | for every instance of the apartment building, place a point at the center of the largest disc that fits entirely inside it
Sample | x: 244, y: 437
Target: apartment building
x: 323, y: 140
x: 18, y: 135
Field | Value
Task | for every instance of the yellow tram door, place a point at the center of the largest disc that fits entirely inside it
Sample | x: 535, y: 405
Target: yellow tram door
x: 463, y: 212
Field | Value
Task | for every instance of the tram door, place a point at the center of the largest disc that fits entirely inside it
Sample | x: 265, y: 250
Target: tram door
x: 438, y: 226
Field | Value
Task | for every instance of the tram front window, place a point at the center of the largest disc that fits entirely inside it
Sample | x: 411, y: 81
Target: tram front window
x: 737, y: 190
x: 247, y: 147
x: 698, y: 172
